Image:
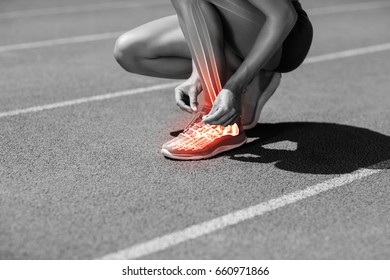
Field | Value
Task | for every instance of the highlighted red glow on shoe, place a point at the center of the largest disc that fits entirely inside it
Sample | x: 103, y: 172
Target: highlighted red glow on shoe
x: 201, y: 135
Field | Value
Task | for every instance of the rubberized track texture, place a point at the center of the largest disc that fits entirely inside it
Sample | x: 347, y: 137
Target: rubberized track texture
x: 82, y: 177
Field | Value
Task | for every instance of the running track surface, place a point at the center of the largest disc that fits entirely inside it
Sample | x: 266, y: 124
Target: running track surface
x: 83, y: 178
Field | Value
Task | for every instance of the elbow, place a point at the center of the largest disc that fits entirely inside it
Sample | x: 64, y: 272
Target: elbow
x: 291, y: 18
x: 285, y: 19
x: 288, y: 18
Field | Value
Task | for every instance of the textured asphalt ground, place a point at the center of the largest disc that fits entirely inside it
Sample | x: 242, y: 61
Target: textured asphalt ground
x: 84, y: 181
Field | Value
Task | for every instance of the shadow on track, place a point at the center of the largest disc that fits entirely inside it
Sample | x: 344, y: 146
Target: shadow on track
x: 322, y: 148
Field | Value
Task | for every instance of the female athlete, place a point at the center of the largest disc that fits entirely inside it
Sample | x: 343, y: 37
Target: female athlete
x: 231, y: 53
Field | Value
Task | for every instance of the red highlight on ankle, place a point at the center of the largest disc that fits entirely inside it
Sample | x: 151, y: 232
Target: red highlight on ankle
x: 199, y: 135
x: 212, y: 89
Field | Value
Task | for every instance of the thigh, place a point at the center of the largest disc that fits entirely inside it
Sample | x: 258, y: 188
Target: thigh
x: 242, y: 22
x: 159, y: 38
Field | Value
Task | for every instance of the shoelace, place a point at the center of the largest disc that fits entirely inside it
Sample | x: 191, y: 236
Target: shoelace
x: 202, y: 134
x: 197, y: 118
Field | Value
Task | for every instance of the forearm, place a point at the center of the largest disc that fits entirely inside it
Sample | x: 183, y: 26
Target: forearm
x: 269, y: 40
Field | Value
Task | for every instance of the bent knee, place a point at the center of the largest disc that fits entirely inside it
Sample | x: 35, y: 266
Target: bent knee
x: 128, y: 51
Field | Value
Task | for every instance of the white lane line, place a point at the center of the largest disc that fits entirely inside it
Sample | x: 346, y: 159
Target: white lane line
x: 77, y: 9
x: 86, y: 100
x: 309, y: 60
x: 348, y: 53
x: 61, y: 41
x: 126, y: 4
x: 170, y: 240
x: 348, y: 8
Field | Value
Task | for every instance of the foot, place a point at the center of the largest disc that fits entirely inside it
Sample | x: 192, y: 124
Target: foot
x: 202, y: 141
x: 255, y: 97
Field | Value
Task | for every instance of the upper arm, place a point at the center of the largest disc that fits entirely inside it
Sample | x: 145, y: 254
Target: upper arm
x: 279, y: 10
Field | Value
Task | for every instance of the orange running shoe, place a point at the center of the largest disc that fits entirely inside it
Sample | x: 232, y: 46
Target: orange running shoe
x: 202, y: 141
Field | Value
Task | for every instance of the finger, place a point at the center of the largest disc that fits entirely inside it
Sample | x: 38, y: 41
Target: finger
x: 231, y: 121
x: 193, y: 99
x: 213, y: 110
x: 226, y: 118
x: 223, y: 119
x: 180, y: 101
x: 211, y: 119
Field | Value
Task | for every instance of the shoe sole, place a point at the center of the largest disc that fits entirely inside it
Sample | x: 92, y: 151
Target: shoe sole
x: 269, y: 91
x: 217, y: 151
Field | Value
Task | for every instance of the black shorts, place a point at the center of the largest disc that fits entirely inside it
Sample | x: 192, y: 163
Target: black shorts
x: 297, y: 44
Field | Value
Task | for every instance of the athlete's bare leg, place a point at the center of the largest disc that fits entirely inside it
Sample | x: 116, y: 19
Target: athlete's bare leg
x: 242, y: 22
x: 157, y: 49
x: 207, y: 25
x: 203, y: 31
x: 160, y: 49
